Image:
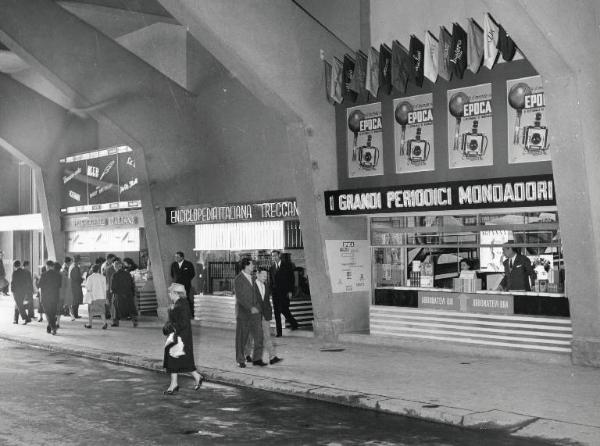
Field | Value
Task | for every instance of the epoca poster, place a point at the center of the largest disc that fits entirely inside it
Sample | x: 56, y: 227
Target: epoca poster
x: 470, y: 127
x: 527, y: 131
x: 365, y: 142
x: 413, y: 133
x: 349, y: 265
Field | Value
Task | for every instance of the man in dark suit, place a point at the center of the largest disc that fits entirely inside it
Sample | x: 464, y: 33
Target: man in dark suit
x: 281, y: 276
x: 22, y: 288
x: 183, y: 272
x: 76, y: 281
x: 518, y: 272
x: 267, y: 314
x: 248, y: 315
x: 49, y: 284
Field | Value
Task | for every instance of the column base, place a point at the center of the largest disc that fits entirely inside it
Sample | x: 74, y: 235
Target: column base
x: 586, y: 351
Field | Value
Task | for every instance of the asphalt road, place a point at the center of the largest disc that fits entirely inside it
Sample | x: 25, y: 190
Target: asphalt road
x: 49, y: 398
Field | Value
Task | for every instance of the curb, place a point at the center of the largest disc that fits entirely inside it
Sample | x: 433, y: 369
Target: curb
x: 516, y: 425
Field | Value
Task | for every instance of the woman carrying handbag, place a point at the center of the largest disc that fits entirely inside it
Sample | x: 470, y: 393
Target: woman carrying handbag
x: 179, y: 327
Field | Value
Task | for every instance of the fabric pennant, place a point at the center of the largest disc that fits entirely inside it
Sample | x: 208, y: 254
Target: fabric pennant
x: 506, y: 45
x: 416, y: 51
x: 430, y: 62
x: 458, y: 51
x: 474, y: 46
x: 328, y: 69
x: 445, y: 46
x: 360, y: 73
x: 385, y: 68
x: 490, y: 41
x: 337, y: 69
x: 348, y: 75
x: 372, y: 81
x: 401, y: 67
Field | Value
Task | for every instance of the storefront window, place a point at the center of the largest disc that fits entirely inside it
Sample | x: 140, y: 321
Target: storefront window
x: 431, y: 251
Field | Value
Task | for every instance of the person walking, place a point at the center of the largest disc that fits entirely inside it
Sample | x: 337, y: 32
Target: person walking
x: 50, y: 284
x: 267, y: 314
x: 28, y: 300
x: 107, y: 269
x: 180, y: 326
x: 36, y: 285
x: 76, y: 281
x: 282, y: 286
x: 66, y: 291
x: 183, y: 272
x: 21, y: 287
x: 95, y: 296
x: 248, y: 315
x: 122, y: 288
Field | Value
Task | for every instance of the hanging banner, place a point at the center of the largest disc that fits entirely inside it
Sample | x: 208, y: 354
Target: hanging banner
x: 470, y: 127
x: 413, y: 133
x: 527, y: 131
x: 364, y: 140
x: 349, y: 265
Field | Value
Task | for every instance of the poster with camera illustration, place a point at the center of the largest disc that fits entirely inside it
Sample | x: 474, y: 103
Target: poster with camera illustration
x: 364, y: 140
x: 527, y: 131
x: 413, y: 133
x: 470, y: 127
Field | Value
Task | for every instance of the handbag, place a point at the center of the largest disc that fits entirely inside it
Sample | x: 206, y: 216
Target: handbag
x: 176, y: 345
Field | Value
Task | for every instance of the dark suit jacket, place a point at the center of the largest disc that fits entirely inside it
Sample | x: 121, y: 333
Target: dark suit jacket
x: 76, y: 280
x: 265, y: 302
x: 518, y: 277
x: 49, y: 284
x: 246, y: 297
x: 22, y: 283
x: 282, y: 279
x: 183, y: 275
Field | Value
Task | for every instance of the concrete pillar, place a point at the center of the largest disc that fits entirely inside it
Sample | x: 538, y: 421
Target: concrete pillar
x: 273, y: 49
x: 562, y: 42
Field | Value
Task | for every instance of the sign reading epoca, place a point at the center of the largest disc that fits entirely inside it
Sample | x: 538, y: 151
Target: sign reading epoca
x: 132, y: 219
x: 265, y: 210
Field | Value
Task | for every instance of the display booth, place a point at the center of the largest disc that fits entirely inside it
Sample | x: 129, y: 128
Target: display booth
x: 226, y: 234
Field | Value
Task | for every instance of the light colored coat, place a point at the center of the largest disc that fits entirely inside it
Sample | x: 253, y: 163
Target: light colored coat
x: 95, y: 286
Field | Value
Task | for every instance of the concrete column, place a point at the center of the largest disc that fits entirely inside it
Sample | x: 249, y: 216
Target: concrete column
x: 273, y: 49
x: 562, y: 42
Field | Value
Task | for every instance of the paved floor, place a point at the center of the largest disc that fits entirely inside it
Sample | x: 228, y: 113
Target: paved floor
x: 70, y: 400
x: 529, y: 399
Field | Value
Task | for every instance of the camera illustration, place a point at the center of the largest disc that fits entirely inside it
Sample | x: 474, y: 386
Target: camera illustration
x: 368, y: 156
x: 474, y: 144
x: 418, y: 149
x: 535, y: 137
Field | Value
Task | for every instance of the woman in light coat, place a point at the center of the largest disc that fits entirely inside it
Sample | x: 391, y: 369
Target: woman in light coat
x: 95, y: 296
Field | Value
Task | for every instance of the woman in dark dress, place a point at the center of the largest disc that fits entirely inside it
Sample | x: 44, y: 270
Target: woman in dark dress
x: 179, y: 324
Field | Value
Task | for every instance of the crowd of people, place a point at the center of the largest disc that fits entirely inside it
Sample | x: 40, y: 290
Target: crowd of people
x: 109, y: 291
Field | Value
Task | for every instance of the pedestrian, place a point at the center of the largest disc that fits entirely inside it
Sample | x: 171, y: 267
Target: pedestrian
x: 248, y: 315
x: 122, y: 288
x: 108, y: 270
x: 50, y: 284
x: 518, y: 272
x: 66, y: 291
x: 28, y: 300
x: 36, y: 284
x: 267, y: 314
x: 180, y: 326
x: 282, y: 286
x: 76, y: 281
x: 21, y: 286
x: 3, y: 280
x: 129, y: 265
x: 183, y: 272
x: 95, y: 296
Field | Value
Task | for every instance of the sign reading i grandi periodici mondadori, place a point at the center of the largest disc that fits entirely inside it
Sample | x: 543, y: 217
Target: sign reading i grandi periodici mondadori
x: 470, y: 127
x: 364, y: 140
x: 413, y: 133
x: 527, y: 131
x: 349, y: 265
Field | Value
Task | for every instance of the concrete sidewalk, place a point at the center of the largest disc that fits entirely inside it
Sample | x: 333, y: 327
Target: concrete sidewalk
x: 527, y: 399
